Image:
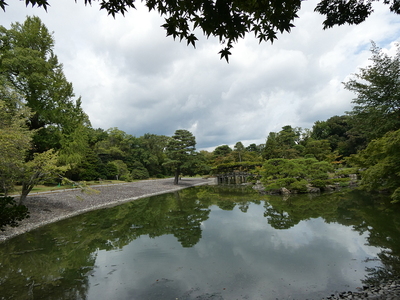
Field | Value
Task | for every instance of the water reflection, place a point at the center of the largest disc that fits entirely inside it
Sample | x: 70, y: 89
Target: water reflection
x: 207, y: 243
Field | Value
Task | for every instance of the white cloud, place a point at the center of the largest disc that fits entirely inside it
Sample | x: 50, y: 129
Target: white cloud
x: 133, y: 77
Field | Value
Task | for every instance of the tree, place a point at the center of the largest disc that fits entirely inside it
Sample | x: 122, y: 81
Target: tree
x: 15, y: 139
x: 116, y: 146
x: 377, y: 105
x: 222, y: 150
x: 271, y: 147
x: 340, y: 131
x: 319, y: 149
x: 381, y: 164
x: 229, y: 20
x: 90, y: 168
x: 239, y: 149
x: 32, y: 70
x: 222, y: 154
x: 284, y: 144
x: 150, y: 152
x: 41, y: 168
x: 253, y: 148
x: 139, y: 171
x: 180, y: 151
x: 123, y: 172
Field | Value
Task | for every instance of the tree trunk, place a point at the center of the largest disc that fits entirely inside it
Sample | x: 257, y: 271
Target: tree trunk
x: 26, y: 188
x: 177, y: 172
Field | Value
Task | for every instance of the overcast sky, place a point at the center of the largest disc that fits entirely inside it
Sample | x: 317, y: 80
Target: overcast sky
x: 131, y: 76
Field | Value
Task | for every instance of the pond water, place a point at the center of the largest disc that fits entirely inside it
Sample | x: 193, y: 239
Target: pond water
x: 208, y: 243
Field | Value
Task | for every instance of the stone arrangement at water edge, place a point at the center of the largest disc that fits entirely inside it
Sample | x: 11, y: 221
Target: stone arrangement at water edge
x: 386, y: 291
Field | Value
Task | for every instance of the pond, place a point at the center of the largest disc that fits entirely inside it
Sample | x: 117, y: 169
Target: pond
x: 208, y: 243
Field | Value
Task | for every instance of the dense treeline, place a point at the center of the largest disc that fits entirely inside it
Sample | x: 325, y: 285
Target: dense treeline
x: 366, y: 138
x: 46, y: 137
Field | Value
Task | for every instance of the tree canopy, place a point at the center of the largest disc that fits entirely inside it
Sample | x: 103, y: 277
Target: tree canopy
x: 229, y: 20
x: 381, y: 164
x: 30, y: 68
x: 15, y: 139
x: 377, y: 87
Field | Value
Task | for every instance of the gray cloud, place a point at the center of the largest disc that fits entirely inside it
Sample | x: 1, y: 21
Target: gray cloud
x: 132, y: 77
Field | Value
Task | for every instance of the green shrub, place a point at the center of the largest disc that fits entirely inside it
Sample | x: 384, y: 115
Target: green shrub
x: 319, y: 183
x: 344, y: 184
x: 340, y: 180
x: 294, y: 174
x: 140, y: 173
x: 346, y: 171
x: 272, y: 186
x: 300, y: 186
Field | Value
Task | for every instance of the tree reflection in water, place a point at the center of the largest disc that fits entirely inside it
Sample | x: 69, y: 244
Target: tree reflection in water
x: 57, y: 261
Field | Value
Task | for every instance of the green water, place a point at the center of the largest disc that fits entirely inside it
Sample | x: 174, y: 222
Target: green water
x: 208, y: 243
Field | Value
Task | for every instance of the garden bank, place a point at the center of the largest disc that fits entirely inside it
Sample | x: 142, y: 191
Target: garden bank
x: 50, y: 207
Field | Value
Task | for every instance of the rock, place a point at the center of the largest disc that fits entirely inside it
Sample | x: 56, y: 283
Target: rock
x: 313, y: 190
x: 259, y: 187
x: 284, y: 191
x: 353, y: 177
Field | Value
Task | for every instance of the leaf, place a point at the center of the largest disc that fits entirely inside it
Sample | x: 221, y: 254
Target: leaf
x: 3, y: 5
x: 191, y: 39
x: 225, y: 54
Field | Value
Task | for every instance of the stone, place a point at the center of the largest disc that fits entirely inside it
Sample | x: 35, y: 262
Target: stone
x: 284, y: 191
x: 313, y: 190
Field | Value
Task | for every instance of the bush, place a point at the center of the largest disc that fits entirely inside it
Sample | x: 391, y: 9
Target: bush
x: 272, y: 186
x: 300, y: 186
x: 280, y: 183
x: 139, y: 171
x: 340, y: 180
x: 346, y: 171
x: 294, y: 174
x: 11, y: 213
x: 140, y: 174
x: 319, y: 183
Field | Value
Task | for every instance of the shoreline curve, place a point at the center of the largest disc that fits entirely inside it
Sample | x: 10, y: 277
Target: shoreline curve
x: 50, y: 207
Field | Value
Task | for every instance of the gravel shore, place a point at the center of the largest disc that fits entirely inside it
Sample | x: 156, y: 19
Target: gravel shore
x: 45, y: 208
x: 389, y: 290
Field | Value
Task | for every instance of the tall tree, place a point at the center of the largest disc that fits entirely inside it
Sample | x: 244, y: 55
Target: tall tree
x: 116, y: 146
x: 380, y: 162
x: 151, y: 153
x: 222, y: 150
x: 180, y: 151
x: 239, y: 149
x: 284, y: 144
x: 32, y: 69
x: 320, y: 149
x: 15, y: 139
x: 222, y: 154
x: 377, y: 105
x: 339, y: 131
x: 230, y: 20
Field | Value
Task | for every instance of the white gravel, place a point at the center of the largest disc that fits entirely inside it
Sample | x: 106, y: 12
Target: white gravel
x: 45, y: 208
